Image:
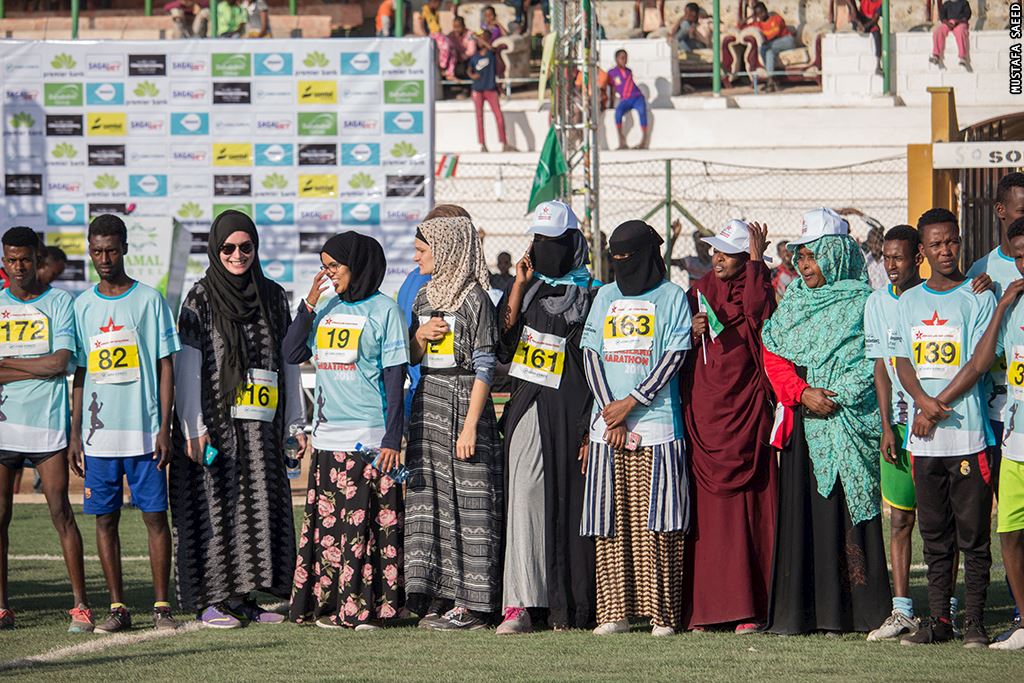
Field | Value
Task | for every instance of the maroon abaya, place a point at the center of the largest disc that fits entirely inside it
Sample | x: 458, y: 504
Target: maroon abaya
x: 728, y: 409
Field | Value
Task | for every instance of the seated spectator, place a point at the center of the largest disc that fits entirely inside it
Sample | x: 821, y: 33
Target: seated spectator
x: 484, y: 74
x: 867, y: 19
x: 522, y: 20
x: 489, y: 24
x: 257, y: 22
x: 604, y: 86
x: 630, y: 98
x: 777, y: 38
x: 231, y: 19
x: 955, y: 18
x: 686, y: 29
x: 431, y: 25
x: 784, y: 273
x: 464, y: 45
x: 384, y: 22
x: 190, y: 17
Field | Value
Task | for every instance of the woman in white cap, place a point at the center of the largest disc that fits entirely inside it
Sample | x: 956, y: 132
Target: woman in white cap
x: 636, y: 501
x: 830, y: 571
x: 727, y: 407
x: 548, y: 564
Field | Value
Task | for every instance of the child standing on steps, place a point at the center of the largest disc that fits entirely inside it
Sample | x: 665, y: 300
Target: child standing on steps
x: 483, y: 72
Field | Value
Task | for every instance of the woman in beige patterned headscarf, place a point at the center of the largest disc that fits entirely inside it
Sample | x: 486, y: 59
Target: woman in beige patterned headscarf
x: 453, y: 542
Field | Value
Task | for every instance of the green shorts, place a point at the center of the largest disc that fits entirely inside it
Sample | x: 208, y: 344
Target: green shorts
x: 1011, y: 496
x: 898, y: 479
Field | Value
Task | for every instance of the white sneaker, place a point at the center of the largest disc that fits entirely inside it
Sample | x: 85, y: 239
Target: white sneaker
x: 612, y: 627
x: 367, y: 627
x: 896, y: 625
x: 1014, y: 642
x: 661, y: 631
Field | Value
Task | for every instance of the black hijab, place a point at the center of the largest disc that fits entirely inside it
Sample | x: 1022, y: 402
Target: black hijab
x: 236, y: 299
x: 365, y: 259
x: 645, y: 268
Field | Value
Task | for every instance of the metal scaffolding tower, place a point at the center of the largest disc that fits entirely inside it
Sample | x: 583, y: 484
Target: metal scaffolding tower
x: 575, y: 110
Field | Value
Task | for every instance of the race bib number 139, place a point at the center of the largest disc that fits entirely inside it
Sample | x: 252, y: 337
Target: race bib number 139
x: 936, y: 351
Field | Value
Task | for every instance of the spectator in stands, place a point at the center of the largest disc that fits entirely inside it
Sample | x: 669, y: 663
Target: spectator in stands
x: 230, y: 19
x: 784, y: 273
x: 484, y: 74
x: 257, y: 22
x: 190, y: 17
x: 877, y: 275
x: 777, y: 38
x: 866, y: 19
x: 384, y: 22
x: 955, y: 18
x: 431, y: 26
x: 489, y: 24
x: 630, y: 97
x: 523, y: 13
x: 604, y: 87
x: 52, y: 266
x: 685, y: 30
x: 464, y: 44
x: 504, y: 278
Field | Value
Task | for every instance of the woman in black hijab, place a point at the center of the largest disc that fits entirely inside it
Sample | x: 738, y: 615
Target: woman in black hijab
x: 350, y: 546
x: 235, y: 393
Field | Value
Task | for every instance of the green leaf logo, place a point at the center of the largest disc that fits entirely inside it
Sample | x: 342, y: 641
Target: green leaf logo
x: 275, y: 181
x: 315, y: 59
x: 146, y: 89
x: 105, y: 181
x: 63, y: 61
x: 403, y: 58
x: 190, y: 210
x: 64, y: 151
x: 361, y: 181
x: 22, y: 120
x: 403, y: 150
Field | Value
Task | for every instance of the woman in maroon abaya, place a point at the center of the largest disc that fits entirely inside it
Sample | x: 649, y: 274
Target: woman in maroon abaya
x: 728, y: 412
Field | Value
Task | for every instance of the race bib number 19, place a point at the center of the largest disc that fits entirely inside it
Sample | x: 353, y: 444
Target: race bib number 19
x: 114, y: 357
x: 337, y: 338
x: 539, y: 358
x: 629, y: 326
x: 24, y: 331
x: 936, y: 350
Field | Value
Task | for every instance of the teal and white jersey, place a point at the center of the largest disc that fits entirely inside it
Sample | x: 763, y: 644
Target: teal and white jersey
x: 632, y: 333
x: 352, y: 343
x: 1011, y: 349
x: 939, y: 332
x: 1003, y: 270
x: 34, y: 412
x: 881, y: 336
x: 120, y: 343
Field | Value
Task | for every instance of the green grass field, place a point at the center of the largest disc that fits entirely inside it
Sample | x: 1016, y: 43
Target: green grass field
x: 39, y: 596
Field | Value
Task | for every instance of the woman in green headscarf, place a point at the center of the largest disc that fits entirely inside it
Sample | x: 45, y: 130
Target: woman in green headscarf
x: 829, y: 570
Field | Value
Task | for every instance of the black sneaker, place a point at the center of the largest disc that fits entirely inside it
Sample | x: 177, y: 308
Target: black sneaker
x: 932, y: 630
x: 975, y: 636
x: 118, y: 620
x: 461, y: 619
x: 163, y: 619
x: 430, y: 620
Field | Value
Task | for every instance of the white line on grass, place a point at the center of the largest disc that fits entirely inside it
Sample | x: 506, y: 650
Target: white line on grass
x: 59, y: 558
x: 99, y: 644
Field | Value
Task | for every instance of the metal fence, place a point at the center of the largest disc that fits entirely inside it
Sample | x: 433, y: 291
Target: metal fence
x: 702, y: 196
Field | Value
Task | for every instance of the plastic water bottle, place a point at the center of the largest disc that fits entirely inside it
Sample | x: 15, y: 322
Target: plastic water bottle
x: 291, y: 457
x: 371, y: 456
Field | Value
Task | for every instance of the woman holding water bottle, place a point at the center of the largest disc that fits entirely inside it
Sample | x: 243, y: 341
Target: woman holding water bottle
x: 236, y: 401
x: 350, y: 545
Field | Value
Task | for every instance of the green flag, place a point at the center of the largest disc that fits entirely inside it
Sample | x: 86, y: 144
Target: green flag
x: 550, y: 169
x: 715, y: 325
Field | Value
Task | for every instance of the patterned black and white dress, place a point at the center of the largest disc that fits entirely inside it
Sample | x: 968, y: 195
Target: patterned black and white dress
x: 232, y: 521
x: 453, y: 508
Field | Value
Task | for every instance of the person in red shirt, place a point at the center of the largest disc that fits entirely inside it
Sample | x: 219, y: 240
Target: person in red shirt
x: 867, y: 19
x: 777, y: 38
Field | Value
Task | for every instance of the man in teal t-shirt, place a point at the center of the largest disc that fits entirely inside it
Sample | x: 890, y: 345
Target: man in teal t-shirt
x: 124, y: 386
x: 37, y: 338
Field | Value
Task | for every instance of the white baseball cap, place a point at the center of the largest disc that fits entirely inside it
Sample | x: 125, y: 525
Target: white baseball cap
x: 551, y: 219
x: 734, y: 238
x: 819, y: 223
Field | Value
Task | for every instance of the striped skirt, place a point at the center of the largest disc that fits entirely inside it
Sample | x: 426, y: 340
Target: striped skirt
x: 639, y: 571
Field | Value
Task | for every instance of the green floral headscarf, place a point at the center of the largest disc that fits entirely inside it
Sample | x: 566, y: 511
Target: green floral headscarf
x: 822, y: 329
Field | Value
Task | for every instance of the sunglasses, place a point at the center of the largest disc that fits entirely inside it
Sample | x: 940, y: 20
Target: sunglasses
x: 228, y: 249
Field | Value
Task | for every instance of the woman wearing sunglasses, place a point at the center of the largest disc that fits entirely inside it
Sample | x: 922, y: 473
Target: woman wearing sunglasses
x: 236, y: 402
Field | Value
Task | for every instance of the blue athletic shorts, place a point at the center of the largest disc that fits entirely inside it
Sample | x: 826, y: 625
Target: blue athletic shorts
x: 636, y: 102
x: 104, y: 487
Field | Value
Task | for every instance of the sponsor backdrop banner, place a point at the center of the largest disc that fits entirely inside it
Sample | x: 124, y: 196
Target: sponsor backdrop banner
x: 309, y: 137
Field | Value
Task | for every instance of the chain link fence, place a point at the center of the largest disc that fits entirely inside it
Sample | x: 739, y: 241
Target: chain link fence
x: 702, y: 196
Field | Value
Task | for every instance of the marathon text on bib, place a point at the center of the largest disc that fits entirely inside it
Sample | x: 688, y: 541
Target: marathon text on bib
x: 114, y: 357
x: 440, y: 353
x: 936, y: 350
x: 337, y: 338
x: 257, y: 399
x: 539, y: 358
x: 629, y: 326
x: 1015, y: 373
x: 24, y: 331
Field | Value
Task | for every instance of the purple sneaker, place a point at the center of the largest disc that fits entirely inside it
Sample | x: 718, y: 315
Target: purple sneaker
x: 218, y: 616
x: 257, y: 615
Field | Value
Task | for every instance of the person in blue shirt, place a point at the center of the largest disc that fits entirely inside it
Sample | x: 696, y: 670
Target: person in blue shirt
x: 941, y: 323
x: 634, y: 342
x: 483, y: 71
x: 37, y: 339
x: 126, y: 337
